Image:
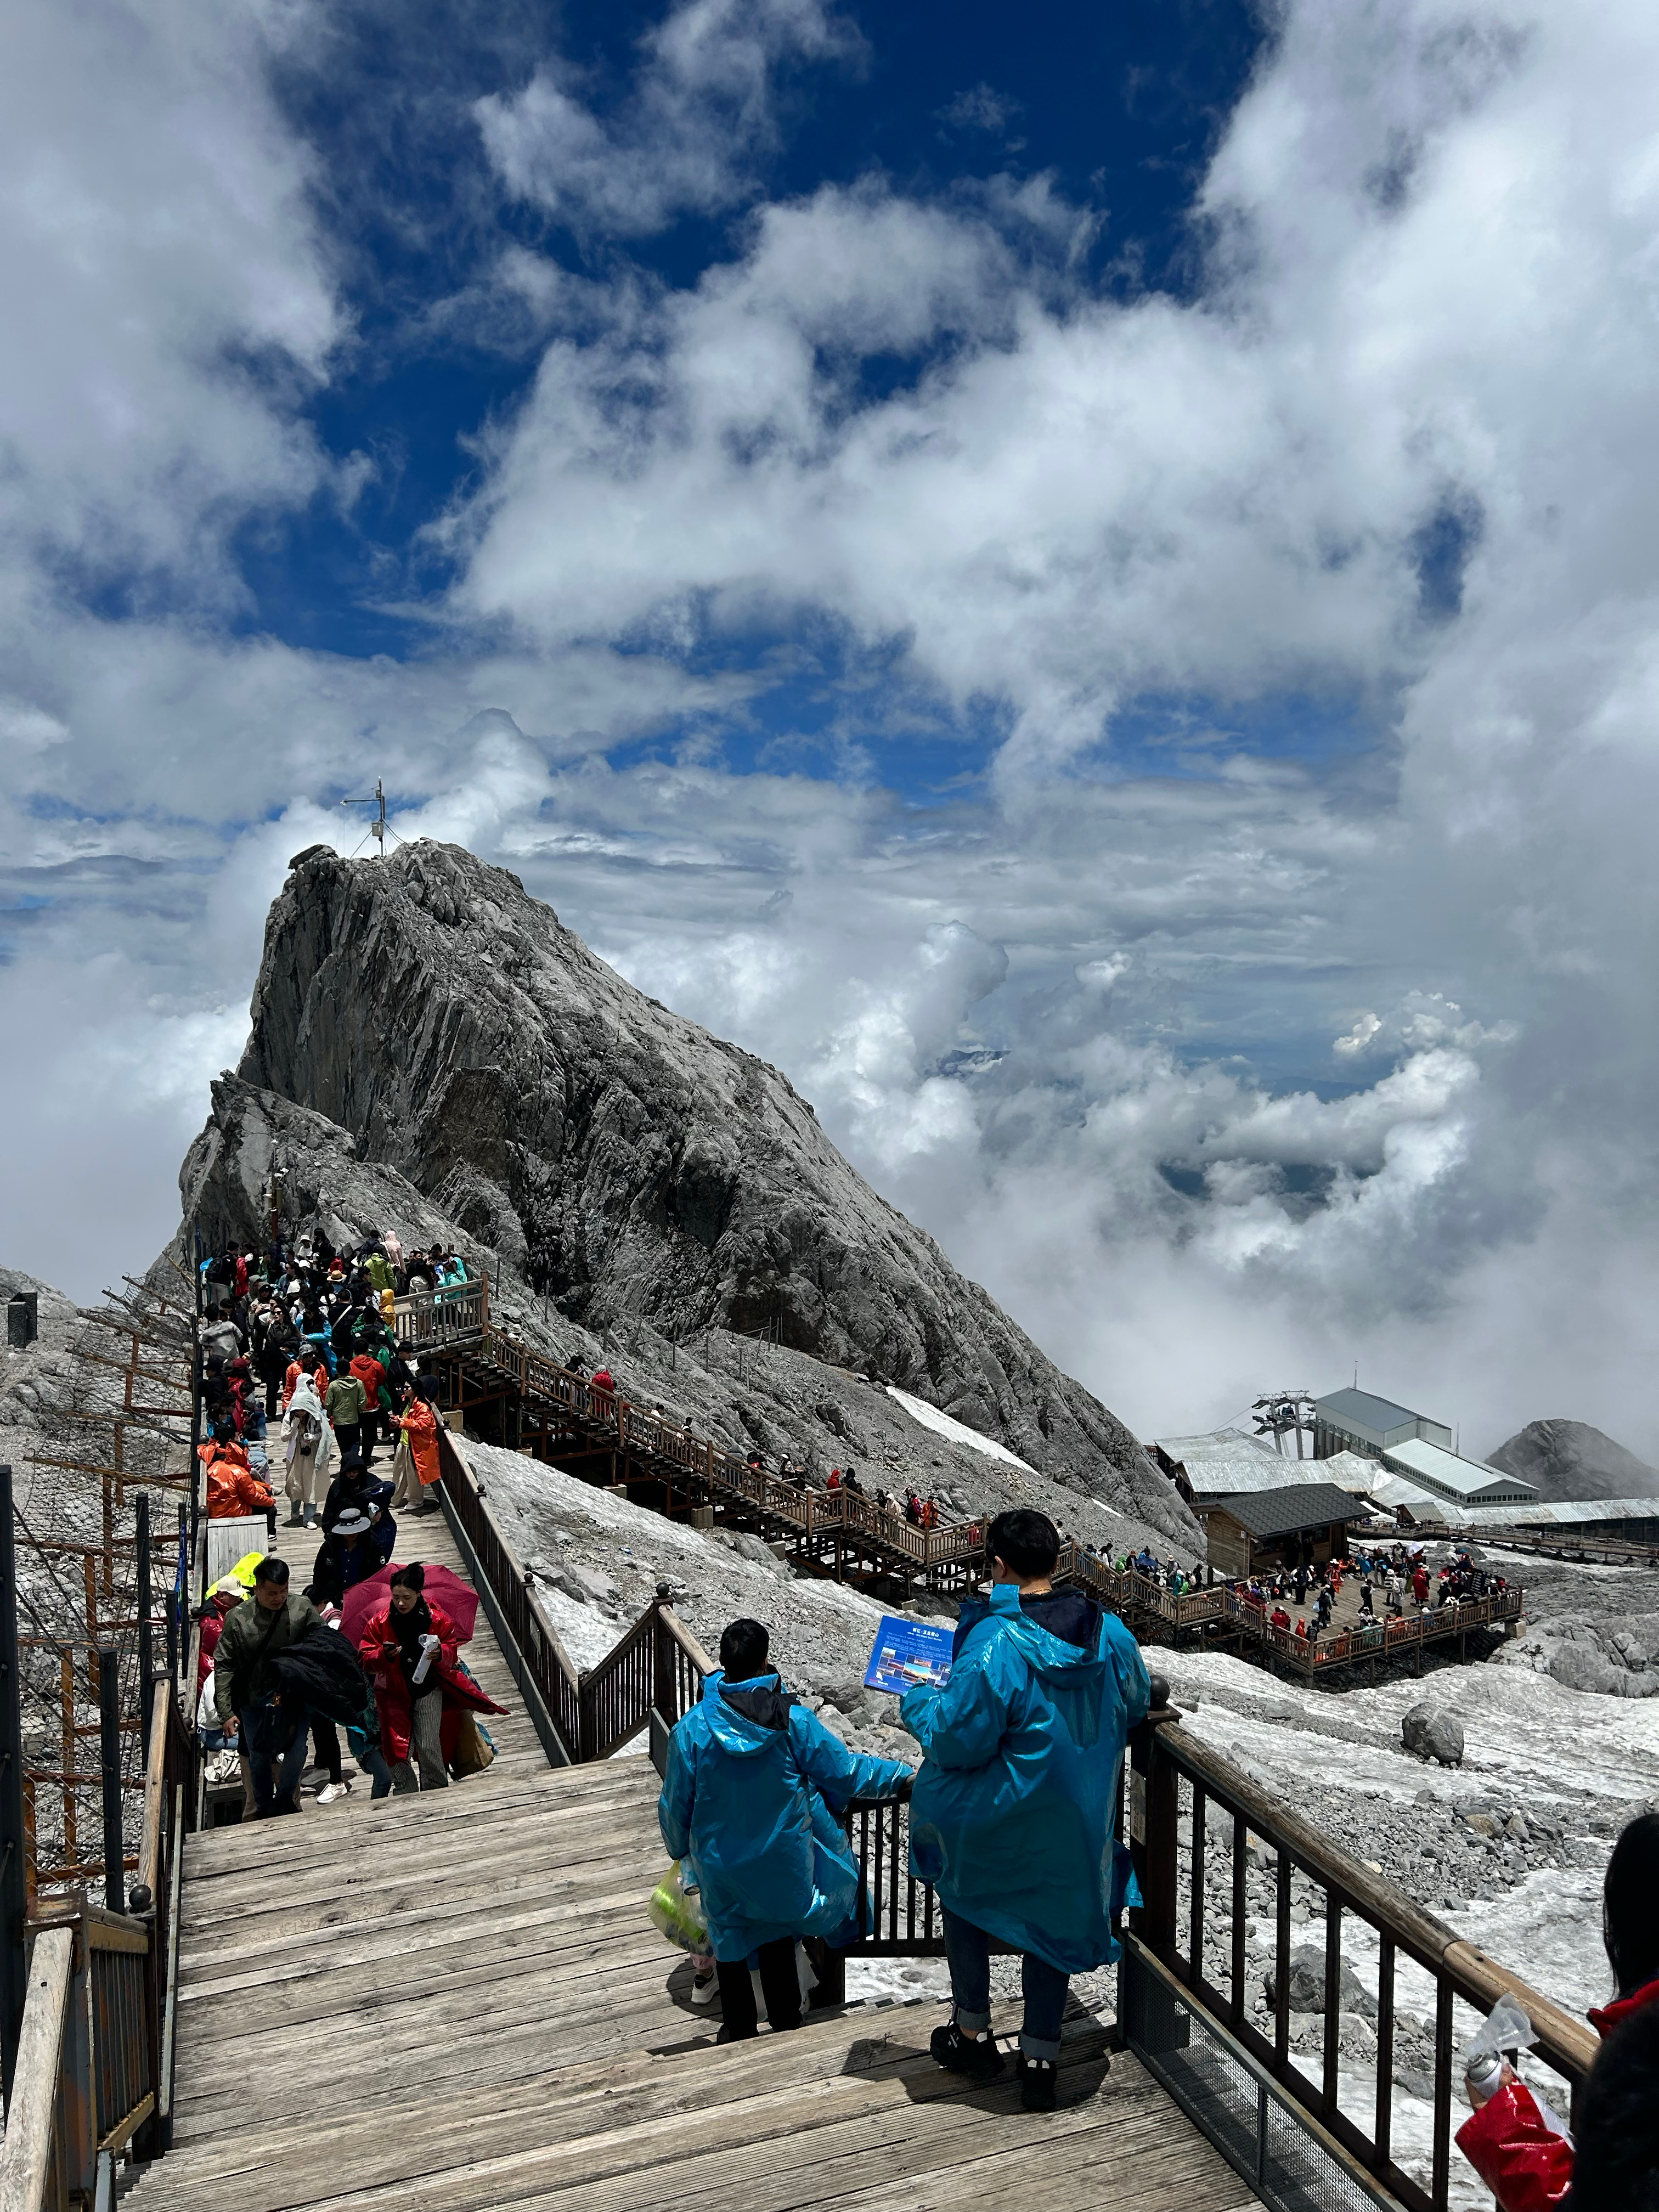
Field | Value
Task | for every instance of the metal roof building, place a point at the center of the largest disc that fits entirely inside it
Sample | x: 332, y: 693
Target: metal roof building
x: 1356, y: 1420
x: 1225, y: 1462
x: 1463, y: 1481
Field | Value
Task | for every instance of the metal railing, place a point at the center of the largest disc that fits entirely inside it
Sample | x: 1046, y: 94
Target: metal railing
x: 1215, y: 1855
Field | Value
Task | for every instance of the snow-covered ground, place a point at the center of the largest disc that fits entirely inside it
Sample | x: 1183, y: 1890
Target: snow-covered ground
x: 942, y: 1424
x: 1573, y: 1763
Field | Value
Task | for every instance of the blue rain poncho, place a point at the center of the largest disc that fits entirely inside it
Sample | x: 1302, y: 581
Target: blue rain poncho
x: 754, y: 1785
x: 1011, y: 1818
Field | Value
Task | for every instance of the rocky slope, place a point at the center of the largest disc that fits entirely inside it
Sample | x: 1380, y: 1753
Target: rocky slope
x: 1569, y: 1460
x: 645, y: 1174
x: 742, y: 1392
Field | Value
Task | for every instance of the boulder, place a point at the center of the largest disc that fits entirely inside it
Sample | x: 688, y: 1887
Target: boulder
x: 1429, y: 1733
x: 1307, y: 1982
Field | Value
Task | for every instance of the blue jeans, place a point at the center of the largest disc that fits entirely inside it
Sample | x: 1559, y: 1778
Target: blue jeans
x: 275, y: 1757
x: 969, y: 1950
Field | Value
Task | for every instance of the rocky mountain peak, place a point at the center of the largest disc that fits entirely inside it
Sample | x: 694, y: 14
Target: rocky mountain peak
x: 635, y: 1168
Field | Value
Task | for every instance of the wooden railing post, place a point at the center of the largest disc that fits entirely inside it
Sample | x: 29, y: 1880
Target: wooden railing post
x: 31, y: 2108
x: 1152, y: 1824
x: 13, y: 1896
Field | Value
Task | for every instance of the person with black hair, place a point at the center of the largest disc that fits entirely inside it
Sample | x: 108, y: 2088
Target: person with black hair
x: 1012, y: 1816
x: 1528, y: 2166
x: 755, y: 1787
x: 1615, y: 2166
x: 411, y: 1651
x: 246, y: 1692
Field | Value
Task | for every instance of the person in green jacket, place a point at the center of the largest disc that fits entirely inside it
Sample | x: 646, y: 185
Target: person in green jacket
x: 345, y: 1405
x: 244, y: 1692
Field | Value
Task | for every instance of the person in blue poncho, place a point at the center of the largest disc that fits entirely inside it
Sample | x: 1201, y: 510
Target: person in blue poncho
x: 754, y: 1787
x: 1012, y: 1816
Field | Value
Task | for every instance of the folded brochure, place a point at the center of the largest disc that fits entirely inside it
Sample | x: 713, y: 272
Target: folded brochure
x: 909, y: 1653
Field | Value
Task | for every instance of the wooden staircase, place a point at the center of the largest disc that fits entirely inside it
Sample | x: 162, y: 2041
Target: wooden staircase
x: 455, y: 2003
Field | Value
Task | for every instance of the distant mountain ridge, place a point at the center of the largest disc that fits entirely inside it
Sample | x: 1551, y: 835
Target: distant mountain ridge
x: 1569, y: 1461
x: 636, y: 1167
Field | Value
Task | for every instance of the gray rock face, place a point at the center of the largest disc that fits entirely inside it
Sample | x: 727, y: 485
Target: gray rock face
x: 1307, y: 1986
x: 1432, y: 1734
x: 1570, y: 1459
x: 638, y: 1167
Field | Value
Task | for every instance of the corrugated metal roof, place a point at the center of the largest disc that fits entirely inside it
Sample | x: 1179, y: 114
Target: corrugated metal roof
x: 1470, y: 1482
x: 1214, y: 1443
x: 1281, y: 1512
x: 1350, y: 1471
x: 1394, y: 1491
x: 1360, y: 1405
x: 1567, y: 1513
x: 1228, y: 1478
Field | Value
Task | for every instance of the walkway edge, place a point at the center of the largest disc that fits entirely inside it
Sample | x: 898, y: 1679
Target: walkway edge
x: 540, y: 1719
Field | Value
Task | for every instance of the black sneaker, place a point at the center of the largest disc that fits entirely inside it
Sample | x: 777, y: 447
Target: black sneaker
x: 975, y: 2056
x: 1038, y: 2079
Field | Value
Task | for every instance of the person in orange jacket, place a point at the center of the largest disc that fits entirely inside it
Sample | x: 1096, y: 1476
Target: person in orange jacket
x: 233, y: 1490
x: 419, y: 1423
x: 1525, y: 2163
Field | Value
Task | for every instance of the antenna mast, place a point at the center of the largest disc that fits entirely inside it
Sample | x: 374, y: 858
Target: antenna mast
x: 377, y: 828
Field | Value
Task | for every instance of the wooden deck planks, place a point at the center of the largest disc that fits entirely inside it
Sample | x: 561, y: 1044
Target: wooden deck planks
x: 455, y: 2003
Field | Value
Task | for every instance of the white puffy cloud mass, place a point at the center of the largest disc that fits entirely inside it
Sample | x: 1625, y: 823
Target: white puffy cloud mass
x: 1211, y: 887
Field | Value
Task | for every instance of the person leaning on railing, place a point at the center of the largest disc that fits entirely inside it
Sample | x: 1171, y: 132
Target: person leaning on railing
x: 1525, y: 2163
x: 1011, y: 1817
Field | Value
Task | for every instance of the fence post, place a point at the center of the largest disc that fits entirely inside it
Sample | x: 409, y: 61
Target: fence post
x: 1152, y: 1824
x: 662, y: 1659
x: 109, y: 1741
x: 146, y: 1636
x: 14, y: 1897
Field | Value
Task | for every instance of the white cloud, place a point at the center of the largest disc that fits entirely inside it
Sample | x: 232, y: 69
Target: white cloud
x: 1396, y: 459
x: 701, y: 122
x: 165, y: 288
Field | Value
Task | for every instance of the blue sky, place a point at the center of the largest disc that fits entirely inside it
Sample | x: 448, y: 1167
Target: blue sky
x: 1083, y: 581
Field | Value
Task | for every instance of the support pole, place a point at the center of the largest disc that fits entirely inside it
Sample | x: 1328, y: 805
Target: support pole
x: 146, y: 1636
x: 109, y: 1738
x: 14, y: 1899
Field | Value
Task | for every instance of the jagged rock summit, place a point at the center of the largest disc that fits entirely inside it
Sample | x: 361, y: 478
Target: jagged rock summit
x: 637, y: 1168
x: 1567, y: 1460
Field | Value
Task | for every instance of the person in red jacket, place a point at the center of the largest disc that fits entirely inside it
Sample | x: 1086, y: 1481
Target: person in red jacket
x: 1420, y: 1584
x: 1517, y: 2155
x: 407, y: 1639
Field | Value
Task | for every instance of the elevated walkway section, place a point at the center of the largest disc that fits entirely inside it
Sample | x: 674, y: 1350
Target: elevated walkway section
x: 456, y: 2003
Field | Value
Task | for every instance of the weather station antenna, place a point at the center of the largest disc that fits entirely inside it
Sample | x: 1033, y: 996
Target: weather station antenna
x: 379, y: 829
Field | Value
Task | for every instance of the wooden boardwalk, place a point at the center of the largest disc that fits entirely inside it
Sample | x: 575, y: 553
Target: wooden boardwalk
x: 454, y: 2003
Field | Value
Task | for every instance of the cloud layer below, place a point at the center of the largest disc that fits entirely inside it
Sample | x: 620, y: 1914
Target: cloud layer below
x: 1168, y: 776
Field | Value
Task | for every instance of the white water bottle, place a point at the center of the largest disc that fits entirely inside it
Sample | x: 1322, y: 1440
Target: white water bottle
x: 423, y: 1664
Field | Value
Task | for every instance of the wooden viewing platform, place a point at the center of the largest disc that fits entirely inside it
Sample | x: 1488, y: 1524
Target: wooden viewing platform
x: 455, y: 2002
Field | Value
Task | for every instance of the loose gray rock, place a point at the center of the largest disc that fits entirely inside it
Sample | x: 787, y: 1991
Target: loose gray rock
x: 1432, y: 1734
x: 1307, y: 1985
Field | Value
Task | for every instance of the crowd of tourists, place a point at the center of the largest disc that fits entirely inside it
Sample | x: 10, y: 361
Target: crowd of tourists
x: 1392, y: 1582
x: 362, y: 1646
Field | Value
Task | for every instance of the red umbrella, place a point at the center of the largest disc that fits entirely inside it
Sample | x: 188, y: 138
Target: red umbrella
x: 457, y: 1599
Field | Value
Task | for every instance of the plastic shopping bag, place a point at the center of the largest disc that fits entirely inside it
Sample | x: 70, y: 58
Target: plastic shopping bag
x: 676, y: 1910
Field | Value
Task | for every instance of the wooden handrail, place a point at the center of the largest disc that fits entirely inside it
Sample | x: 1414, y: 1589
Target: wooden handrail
x: 25, y: 2157
x: 688, y: 1643
x: 149, y: 1849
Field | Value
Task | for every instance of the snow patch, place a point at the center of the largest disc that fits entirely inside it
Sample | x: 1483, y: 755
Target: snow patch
x: 929, y: 1417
